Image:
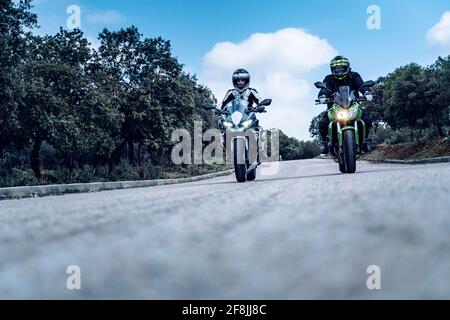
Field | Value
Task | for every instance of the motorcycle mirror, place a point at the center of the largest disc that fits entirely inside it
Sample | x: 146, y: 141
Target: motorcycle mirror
x: 369, y: 84
x: 321, y: 85
x: 208, y: 106
x: 260, y: 109
x: 265, y: 102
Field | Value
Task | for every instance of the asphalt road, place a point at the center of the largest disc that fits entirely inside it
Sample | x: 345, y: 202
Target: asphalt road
x: 305, y: 232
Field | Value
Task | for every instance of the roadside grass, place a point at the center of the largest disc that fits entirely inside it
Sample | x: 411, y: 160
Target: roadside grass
x: 194, y: 170
x: 23, y: 176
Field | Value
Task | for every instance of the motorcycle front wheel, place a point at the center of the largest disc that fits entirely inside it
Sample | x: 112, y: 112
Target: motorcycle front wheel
x: 350, y: 151
x: 240, y: 167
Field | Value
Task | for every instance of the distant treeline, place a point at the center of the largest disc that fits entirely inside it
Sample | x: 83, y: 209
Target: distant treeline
x: 411, y: 103
x: 293, y: 149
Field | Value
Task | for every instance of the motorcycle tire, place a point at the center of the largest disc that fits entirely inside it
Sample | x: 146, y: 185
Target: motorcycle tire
x: 240, y: 167
x: 350, y: 151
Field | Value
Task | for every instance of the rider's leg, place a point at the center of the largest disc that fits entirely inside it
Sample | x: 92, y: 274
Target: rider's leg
x: 258, y: 130
x: 323, y: 129
x: 368, y: 122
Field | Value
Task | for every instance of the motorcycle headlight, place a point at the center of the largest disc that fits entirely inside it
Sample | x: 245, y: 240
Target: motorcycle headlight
x: 342, y: 115
x: 351, y: 115
x: 227, y: 125
x: 247, y: 123
x: 346, y: 115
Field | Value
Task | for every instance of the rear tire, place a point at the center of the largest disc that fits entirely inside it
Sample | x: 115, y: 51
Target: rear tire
x: 240, y: 167
x: 350, y: 151
x: 342, y: 168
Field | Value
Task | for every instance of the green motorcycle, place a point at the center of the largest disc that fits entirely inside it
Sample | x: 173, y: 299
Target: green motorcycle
x: 347, y: 130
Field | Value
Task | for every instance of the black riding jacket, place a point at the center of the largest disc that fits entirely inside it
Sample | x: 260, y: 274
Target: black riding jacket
x: 354, y: 80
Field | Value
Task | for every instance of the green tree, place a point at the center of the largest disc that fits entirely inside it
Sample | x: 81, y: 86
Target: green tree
x: 314, y: 126
x: 62, y: 104
x: 404, y: 99
x: 375, y: 110
x: 153, y: 92
x: 15, y: 20
x: 143, y: 71
x: 438, y: 92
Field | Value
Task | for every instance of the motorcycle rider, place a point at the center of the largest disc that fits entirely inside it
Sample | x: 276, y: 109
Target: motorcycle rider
x: 341, y: 75
x: 241, y: 84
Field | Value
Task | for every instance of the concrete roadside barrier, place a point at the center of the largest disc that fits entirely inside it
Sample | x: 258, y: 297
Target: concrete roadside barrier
x: 412, y: 162
x: 42, y: 191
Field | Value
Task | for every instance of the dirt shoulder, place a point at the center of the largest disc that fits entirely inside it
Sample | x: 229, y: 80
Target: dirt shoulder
x: 411, y: 150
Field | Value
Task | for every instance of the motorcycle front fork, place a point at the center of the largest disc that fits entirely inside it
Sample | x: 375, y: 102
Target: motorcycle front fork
x: 335, y: 136
x: 259, y: 145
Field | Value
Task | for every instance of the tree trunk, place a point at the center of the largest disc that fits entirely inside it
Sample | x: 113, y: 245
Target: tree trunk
x: 140, y: 147
x: 419, y: 135
x: 439, y: 127
x: 34, y: 158
x: 130, y: 151
x: 114, y: 155
x: 2, y: 149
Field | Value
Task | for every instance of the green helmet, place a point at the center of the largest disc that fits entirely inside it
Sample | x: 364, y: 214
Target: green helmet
x: 340, y: 67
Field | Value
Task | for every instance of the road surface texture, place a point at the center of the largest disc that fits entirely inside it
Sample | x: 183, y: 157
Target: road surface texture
x: 306, y: 232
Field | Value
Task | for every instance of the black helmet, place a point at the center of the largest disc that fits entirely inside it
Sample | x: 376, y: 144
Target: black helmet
x: 340, y: 67
x: 241, y: 79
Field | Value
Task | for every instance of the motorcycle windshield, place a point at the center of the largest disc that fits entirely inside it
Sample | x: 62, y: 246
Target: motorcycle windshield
x: 237, y: 111
x: 344, y: 97
x: 237, y: 105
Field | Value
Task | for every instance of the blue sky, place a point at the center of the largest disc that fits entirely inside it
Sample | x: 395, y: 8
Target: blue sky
x: 196, y: 27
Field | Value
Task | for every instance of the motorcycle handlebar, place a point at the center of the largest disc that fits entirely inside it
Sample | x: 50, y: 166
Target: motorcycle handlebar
x: 329, y: 100
x: 256, y: 110
x: 221, y: 112
x: 224, y: 112
x: 326, y: 102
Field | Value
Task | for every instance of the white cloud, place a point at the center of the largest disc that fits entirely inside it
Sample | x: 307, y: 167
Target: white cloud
x: 279, y: 63
x: 290, y: 48
x: 106, y: 17
x: 440, y: 33
x: 293, y: 88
